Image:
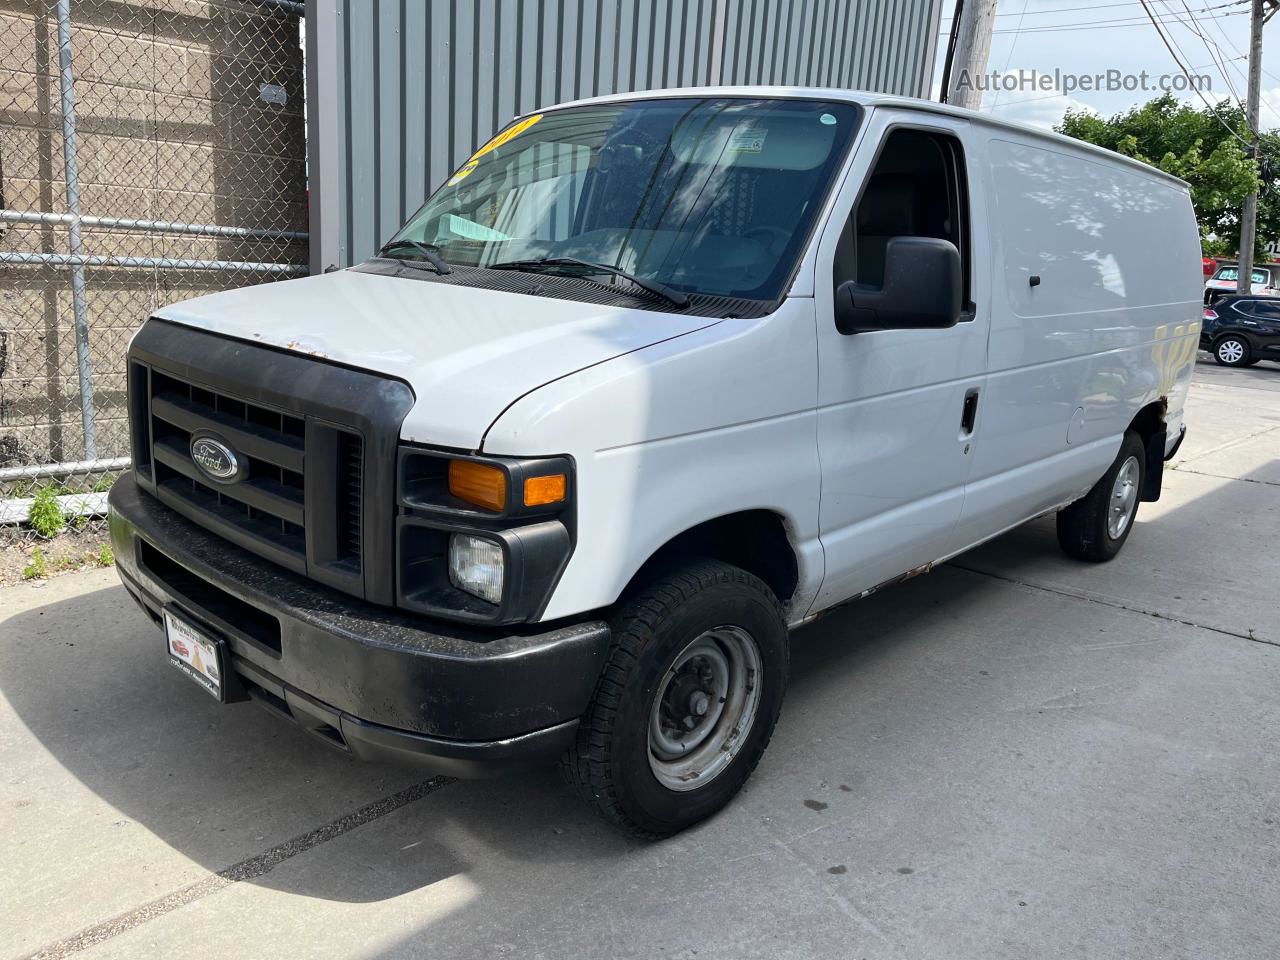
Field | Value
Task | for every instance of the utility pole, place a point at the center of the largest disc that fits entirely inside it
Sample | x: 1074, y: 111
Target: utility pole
x: 1249, y: 216
x: 967, y: 52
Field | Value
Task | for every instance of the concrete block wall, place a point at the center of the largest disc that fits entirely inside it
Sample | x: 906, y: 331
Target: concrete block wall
x: 187, y: 111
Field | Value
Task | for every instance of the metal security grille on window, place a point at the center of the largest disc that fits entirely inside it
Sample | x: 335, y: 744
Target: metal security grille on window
x: 150, y: 151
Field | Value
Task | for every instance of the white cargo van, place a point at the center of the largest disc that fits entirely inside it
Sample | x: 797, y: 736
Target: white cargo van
x: 649, y: 381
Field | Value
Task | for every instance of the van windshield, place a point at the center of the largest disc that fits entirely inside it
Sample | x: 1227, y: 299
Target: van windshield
x: 713, y: 196
x: 1233, y: 273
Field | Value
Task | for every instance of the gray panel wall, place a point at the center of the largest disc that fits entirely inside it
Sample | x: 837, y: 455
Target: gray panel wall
x: 401, y: 91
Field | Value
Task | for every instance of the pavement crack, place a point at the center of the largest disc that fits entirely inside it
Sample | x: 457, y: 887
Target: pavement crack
x: 247, y: 869
x: 1219, y: 476
x: 1117, y: 605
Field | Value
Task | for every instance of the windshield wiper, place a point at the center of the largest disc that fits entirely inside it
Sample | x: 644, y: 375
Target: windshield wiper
x: 674, y: 297
x: 424, y: 251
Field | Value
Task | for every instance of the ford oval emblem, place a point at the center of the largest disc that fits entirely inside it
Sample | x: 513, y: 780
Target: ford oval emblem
x: 214, y: 458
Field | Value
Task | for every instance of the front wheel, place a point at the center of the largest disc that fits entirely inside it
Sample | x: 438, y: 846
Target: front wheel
x: 1095, y: 527
x: 687, y: 702
x: 1232, y: 352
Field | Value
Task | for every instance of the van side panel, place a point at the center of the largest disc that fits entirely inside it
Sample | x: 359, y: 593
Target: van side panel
x: 707, y: 424
x: 1111, y: 325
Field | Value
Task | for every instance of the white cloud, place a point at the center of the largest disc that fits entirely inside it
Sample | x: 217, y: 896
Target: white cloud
x: 1269, y: 112
x: 1043, y: 110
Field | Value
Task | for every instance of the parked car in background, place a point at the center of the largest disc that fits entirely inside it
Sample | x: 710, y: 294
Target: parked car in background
x: 1266, y: 281
x: 1240, y: 331
x: 1208, y: 266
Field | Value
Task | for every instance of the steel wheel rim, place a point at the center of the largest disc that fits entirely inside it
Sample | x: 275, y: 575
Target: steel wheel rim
x: 1231, y: 351
x: 1124, y: 498
x: 704, y: 708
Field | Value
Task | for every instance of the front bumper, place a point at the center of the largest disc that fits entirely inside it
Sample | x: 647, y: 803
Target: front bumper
x: 369, y: 680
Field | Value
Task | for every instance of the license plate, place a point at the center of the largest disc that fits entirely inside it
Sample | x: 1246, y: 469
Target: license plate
x: 195, y: 653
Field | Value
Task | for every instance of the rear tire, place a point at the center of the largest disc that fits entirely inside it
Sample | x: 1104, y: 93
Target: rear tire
x: 1095, y: 527
x: 699, y: 657
x: 1233, y: 351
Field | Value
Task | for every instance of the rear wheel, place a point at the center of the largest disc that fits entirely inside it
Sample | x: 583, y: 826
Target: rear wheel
x: 1232, y: 351
x: 1095, y: 527
x: 687, y: 701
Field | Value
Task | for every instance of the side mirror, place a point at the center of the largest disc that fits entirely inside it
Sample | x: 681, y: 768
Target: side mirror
x: 921, y: 291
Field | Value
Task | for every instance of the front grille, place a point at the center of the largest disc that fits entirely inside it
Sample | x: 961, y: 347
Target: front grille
x: 267, y: 504
x: 314, y: 444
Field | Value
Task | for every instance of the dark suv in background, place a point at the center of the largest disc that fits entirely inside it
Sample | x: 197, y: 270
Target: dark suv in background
x: 1240, y: 331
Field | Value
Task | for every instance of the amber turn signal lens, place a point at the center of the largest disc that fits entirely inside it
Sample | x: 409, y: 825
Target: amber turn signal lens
x: 478, y: 483
x: 539, y: 491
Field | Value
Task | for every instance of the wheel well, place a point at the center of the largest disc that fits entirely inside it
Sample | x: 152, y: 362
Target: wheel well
x: 1150, y: 420
x: 755, y: 540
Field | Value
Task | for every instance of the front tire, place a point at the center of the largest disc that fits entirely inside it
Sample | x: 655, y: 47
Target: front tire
x: 687, y: 701
x: 1233, y: 351
x: 1095, y: 527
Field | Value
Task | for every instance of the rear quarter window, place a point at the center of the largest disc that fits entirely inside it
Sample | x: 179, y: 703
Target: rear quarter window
x: 1089, y: 230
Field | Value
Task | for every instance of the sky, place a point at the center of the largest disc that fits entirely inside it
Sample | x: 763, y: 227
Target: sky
x: 1106, y: 35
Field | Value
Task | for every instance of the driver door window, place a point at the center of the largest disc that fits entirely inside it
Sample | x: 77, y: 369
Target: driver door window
x: 916, y: 189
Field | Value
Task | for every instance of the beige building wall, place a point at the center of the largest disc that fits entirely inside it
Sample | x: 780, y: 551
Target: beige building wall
x: 188, y: 111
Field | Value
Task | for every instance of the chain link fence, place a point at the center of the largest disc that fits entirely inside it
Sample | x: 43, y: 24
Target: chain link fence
x: 150, y: 151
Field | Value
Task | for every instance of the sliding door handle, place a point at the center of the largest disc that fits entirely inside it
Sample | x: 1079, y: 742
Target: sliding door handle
x: 969, y: 414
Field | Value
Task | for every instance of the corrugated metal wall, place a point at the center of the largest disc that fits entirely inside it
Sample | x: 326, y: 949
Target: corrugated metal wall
x: 401, y: 91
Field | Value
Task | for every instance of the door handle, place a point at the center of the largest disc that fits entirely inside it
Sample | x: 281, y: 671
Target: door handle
x: 969, y: 413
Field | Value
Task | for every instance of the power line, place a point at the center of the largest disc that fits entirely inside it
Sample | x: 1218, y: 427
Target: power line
x: 1212, y: 109
x: 1182, y: 53
x: 1204, y: 39
x: 1012, y: 46
x: 1117, y: 24
x: 1236, y: 50
x: 1093, y: 7
x: 1096, y: 6
x: 1096, y: 24
x: 1274, y: 112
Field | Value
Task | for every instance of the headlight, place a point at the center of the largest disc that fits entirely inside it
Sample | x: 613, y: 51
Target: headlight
x: 479, y: 538
x: 476, y: 566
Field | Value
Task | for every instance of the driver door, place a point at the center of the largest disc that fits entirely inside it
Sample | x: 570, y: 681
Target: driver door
x: 899, y: 411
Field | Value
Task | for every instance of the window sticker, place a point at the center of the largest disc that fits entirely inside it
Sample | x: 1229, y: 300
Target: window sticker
x: 507, y: 135
x: 464, y: 171
x: 747, y: 141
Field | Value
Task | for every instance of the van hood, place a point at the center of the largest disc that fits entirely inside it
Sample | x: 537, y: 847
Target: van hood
x: 467, y: 353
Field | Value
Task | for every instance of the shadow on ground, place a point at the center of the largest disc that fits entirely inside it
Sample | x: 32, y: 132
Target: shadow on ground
x: 89, y: 678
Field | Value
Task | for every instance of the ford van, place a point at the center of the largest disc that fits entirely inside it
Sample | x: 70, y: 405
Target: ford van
x: 1225, y: 281
x: 650, y: 381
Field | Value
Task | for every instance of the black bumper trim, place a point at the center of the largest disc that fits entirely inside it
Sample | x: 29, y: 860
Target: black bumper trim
x: 377, y: 743
x: 382, y: 685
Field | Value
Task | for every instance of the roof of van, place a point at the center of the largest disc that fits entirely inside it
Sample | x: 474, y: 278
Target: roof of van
x: 869, y: 99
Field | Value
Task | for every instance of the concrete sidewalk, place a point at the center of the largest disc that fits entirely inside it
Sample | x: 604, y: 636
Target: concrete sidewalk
x: 1016, y: 756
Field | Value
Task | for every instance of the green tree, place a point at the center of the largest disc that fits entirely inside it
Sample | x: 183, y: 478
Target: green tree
x: 1204, y: 147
